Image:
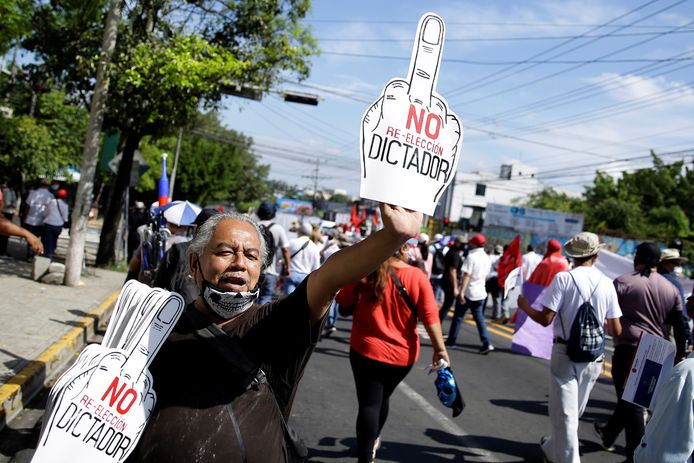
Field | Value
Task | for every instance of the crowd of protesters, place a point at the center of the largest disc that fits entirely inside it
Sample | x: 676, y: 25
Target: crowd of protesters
x: 456, y: 274
x: 444, y: 275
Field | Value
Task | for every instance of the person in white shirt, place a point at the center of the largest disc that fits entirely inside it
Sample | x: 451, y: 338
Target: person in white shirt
x: 571, y: 382
x: 36, y: 203
x: 56, y: 216
x: 530, y: 260
x: 473, y: 293
x: 669, y: 434
x: 305, y: 258
x: 266, y: 213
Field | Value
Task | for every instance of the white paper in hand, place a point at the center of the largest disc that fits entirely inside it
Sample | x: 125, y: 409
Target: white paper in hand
x: 410, y: 139
x: 513, y: 280
x: 650, y: 366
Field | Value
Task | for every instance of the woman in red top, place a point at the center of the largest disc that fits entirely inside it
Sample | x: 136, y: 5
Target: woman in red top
x: 384, y: 343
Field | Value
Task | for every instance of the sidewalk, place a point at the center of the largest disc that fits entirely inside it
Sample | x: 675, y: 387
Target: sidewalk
x: 42, y: 327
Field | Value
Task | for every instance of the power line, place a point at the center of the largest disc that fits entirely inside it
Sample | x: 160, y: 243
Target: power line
x: 506, y: 63
x: 564, y: 71
x: 659, y: 97
x: 504, y: 73
x: 495, y: 24
x: 515, y: 38
x: 582, y: 92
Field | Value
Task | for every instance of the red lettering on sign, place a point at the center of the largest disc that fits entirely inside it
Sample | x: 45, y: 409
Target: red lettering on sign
x: 433, y: 134
x: 431, y: 119
x: 417, y: 121
x: 116, y: 393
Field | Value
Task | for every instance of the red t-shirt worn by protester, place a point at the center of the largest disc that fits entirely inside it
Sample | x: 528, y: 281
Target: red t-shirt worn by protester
x: 386, y: 331
x: 550, y: 266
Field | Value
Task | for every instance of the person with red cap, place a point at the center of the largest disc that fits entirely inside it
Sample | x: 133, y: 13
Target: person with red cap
x: 56, y: 216
x: 473, y: 293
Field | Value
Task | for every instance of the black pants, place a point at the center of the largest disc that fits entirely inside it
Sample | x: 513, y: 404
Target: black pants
x: 375, y: 382
x: 448, y: 299
x: 626, y: 416
x: 49, y: 238
x: 4, y: 238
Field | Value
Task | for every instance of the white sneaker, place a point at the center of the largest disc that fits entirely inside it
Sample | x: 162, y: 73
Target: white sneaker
x: 377, y: 445
x: 486, y: 350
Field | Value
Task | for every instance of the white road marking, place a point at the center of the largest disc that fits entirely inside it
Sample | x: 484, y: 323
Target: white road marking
x: 448, y: 425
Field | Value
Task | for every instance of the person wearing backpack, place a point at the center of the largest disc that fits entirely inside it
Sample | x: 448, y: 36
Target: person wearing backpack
x: 276, y: 238
x: 649, y: 301
x: 578, y: 301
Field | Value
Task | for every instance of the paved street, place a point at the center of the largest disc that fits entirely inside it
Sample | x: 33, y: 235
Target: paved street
x: 505, y: 417
x: 506, y: 413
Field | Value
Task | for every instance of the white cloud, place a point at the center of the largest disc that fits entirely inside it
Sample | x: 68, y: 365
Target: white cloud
x: 631, y: 87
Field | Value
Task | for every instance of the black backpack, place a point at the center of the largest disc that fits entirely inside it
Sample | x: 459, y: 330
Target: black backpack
x: 269, y: 243
x: 438, y: 265
x: 586, y: 340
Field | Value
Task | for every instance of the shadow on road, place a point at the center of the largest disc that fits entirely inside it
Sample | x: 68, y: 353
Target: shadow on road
x: 535, y: 407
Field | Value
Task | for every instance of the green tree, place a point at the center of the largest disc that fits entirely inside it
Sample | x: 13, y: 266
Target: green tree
x: 215, y: 166
x: 45, y: 144
x: 172, y: 58
x: 551, y: 199
x: 15, y: 21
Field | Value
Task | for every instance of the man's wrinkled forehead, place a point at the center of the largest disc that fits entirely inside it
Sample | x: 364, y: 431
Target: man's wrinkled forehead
x: 232, y: 234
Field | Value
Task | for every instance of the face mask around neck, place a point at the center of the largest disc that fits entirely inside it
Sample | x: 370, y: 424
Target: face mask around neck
x: 226, y: 304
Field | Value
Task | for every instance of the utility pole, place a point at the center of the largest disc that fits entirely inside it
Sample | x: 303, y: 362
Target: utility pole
x: 85, y: 189
x: 316, y: 176
x: 175, y: 164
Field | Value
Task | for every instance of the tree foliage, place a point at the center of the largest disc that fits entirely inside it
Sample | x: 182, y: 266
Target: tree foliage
x: 172, y: 58
x: 44, y: 144
x: 15, y: 16
x: 215, y: 166
x: 652, y: 203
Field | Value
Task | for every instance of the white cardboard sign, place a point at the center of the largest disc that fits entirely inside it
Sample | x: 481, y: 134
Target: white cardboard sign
x: 652, y: 363
x: 99, y: 407
x: 410, y: 139
x: 513, y: 279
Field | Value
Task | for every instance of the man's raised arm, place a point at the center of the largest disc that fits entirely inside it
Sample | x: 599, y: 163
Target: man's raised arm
x: 357, y: 261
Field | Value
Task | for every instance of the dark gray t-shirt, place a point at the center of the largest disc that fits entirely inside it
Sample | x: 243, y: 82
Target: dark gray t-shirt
x: 645, y: 302
x: 195, y: 384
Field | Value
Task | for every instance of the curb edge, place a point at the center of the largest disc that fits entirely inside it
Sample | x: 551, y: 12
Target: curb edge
x: 26, y: 384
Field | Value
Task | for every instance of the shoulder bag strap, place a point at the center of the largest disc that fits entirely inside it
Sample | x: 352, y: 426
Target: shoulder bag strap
x: 403, y: 292
x: 232, y: 352
x: 301, y: 248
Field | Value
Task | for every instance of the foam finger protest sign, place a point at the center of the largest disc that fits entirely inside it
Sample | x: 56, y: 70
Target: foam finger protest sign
x: 99, y: 407
x: 410, y: 139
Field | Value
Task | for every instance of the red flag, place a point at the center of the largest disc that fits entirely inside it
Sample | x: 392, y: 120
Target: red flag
x: 510, y: 259
x: 354, y: 219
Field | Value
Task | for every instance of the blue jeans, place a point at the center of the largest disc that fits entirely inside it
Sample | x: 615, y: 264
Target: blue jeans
x: 292, y: 281
x: 267, y: 289
x: 477, y: 309
x: 438, y: 290
x: 49, y: 238
x: 332, y: 315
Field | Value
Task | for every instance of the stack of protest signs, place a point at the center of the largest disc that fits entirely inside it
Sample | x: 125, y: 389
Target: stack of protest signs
x: 98, y: 408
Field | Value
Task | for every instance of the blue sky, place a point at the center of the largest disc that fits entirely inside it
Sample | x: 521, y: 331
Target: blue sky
x: 558, y: 88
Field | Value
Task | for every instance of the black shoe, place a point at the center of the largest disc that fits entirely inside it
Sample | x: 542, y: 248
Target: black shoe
x: 600, y: 431
x: 486, y: 350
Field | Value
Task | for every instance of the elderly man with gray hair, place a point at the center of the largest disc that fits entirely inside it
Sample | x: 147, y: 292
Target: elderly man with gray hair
x: 227, y: 375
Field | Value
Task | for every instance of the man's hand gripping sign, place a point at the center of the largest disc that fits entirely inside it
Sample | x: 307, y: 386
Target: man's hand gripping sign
x: 410, y: 140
